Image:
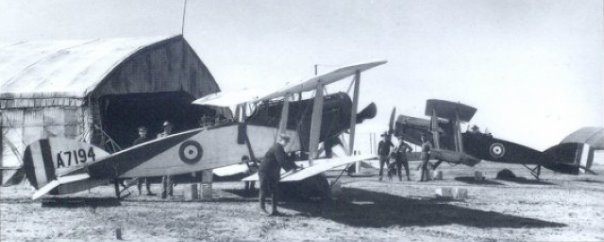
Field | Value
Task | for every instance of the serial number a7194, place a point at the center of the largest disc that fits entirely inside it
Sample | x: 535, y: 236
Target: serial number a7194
x: 74, y: 157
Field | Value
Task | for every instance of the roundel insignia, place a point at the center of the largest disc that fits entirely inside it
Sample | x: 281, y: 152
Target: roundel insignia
x: 190, y: 152
x: 497, y: 150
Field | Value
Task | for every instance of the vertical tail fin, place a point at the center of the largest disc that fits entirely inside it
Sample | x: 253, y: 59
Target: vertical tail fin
x: 569, y: 158
x: 47, y: 159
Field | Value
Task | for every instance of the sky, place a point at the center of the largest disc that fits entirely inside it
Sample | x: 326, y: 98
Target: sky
x: 533, y: 69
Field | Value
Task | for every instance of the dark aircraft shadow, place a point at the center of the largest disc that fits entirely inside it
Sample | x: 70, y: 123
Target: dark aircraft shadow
x: 471, y: 180
x: 243, y: 193
x: 587, y: 180
x: 522, y: 180
x: 380, y: 210
x: 75, y: 202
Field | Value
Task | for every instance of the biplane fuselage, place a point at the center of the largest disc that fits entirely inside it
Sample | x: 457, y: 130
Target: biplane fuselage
x: 195, y: 150
x: 61, y: 166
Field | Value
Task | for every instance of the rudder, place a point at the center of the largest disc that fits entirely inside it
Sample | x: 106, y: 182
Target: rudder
x: 568, y: 158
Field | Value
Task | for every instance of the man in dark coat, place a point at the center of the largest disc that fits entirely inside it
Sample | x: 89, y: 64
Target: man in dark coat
x: 269, y: 172
x: 142, y: 138
x: 384, y: 152
x: 400, y: 155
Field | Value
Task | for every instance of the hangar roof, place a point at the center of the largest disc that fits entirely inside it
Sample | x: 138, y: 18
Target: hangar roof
x: 70, y: 68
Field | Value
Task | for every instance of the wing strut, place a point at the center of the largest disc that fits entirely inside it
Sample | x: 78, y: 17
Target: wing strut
x: 284, y: 115
x: 315, y: 125
x: 434, y: 128
x: 458, y: 141
x: 353, y: 119
x: 353, y: 113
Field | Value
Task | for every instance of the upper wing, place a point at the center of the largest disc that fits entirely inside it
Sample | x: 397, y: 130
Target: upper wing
x: 225, y: 99
x: 324, y: 79
x: 450, y: 110
x: 320, y: 165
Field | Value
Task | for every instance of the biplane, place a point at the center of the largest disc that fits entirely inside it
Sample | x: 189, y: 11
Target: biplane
x: 452, y: 145
x: 59, y: 166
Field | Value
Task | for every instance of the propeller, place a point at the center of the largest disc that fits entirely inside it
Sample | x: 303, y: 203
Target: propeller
x: 391, y: 123
x: 368, y: 112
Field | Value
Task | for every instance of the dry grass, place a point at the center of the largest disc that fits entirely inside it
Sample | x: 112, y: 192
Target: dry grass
x: 560, y: 207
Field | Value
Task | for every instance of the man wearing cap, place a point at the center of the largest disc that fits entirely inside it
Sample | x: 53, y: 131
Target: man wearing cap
x: 384, y: 152
x: 166, y: 181
x: 142, y: 138
x: 269, y: 172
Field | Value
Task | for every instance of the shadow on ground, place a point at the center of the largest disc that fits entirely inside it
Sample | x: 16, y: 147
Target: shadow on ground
x: 587, y: 180
x: 522, y: 180
x: 472, y: 180
x: 243, y: 193
x: 72, y: 202
x: 364, y: 208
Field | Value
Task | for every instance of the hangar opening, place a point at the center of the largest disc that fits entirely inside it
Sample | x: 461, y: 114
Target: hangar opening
x: 123, y: 114
x: 99, y: 91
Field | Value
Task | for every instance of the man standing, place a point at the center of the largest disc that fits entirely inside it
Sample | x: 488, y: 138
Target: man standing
x: 269, y: 172
x: 166, y: 181
x: 425, y: 156
x: 384, y: 152
x: 142, y: 138
x: 400, y: 154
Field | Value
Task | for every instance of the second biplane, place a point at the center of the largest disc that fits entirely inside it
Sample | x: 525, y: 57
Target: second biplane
x: 452, y: 145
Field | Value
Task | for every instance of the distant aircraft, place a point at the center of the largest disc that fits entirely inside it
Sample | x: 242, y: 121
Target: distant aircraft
x: 61, y: 166
x: 468, y: 148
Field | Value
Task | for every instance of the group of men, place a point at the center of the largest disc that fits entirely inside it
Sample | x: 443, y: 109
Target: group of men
x: 167, y: 183
x: 400, y: 157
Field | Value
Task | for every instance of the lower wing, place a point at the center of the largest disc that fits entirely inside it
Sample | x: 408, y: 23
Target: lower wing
x: 319, y: 166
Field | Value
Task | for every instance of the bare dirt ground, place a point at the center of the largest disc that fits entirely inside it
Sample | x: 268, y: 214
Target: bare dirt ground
x: 557, y: 208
